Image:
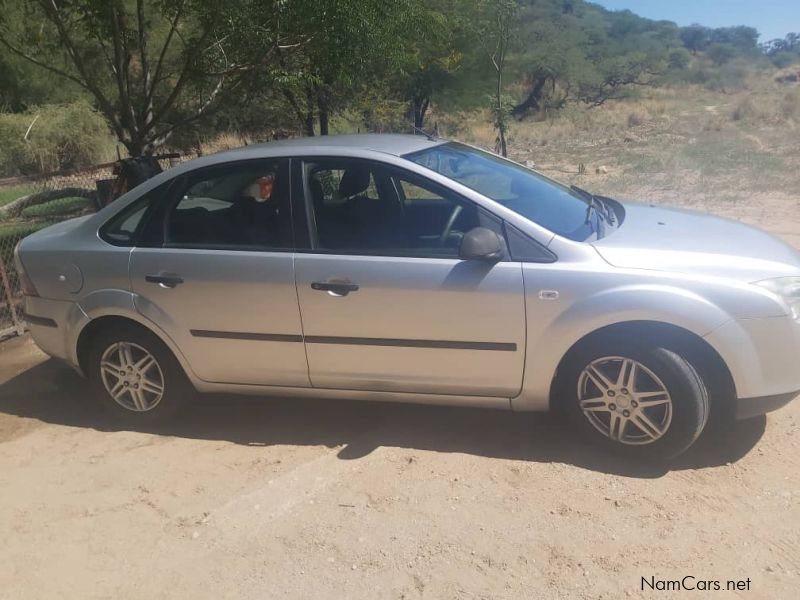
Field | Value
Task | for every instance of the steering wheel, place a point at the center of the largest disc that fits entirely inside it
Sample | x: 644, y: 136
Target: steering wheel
x: 450, y: 222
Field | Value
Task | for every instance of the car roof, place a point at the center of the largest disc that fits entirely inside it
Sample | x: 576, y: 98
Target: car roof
x: 388, y: 143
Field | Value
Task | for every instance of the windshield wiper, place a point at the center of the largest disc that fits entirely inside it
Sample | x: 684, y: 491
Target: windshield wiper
x: 605, y: 211
x: 593, y: 205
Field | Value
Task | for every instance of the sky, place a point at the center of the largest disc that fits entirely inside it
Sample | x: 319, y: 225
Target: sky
x: 772, y: 18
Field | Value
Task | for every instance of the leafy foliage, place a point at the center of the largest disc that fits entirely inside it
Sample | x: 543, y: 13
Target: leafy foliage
x: 783, y: 52
x: 171, y: 71
x: 53, y: 137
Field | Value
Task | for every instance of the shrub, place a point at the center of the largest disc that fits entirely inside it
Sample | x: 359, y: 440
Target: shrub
x: 730, y: 77
x: 60, y: 137
x: 784, y: 59
x: 384, y: 116
x: 721, y: 53
x: 790, y: 105
x: 744, y: 109
x: 679, y: 58
x: 636, y: 118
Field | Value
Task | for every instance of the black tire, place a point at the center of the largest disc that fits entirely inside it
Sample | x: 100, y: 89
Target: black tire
x: 177, y: 390
x: 690, y: 403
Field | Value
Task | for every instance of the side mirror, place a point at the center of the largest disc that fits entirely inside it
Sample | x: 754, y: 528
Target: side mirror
x: 481, y: 243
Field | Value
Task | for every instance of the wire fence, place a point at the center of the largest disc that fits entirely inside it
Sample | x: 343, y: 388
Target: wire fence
x: 28, y: 204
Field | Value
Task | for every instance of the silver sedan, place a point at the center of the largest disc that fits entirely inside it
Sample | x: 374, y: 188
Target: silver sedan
x: 391, y: 267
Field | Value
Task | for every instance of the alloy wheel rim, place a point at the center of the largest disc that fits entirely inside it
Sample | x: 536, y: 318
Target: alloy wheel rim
x: 624, y: 400
x: 132, y: 376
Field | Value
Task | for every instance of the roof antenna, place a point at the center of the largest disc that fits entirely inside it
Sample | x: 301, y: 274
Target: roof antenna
x: 427, y: 134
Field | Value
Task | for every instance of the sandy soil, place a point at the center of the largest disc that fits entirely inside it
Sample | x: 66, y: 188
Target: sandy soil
x: 250, y: 498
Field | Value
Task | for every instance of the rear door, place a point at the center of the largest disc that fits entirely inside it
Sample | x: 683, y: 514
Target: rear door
x: 387, y: 305
x: 216, y: 273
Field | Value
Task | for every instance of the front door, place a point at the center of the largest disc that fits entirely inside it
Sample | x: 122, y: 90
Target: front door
x: 385, y: 301
x: 218, y: 275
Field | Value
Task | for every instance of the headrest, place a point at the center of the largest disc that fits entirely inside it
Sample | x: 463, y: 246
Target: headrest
x: 354, y: 181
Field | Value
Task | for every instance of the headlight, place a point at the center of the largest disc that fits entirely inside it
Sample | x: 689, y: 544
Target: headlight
x: 788, y: 288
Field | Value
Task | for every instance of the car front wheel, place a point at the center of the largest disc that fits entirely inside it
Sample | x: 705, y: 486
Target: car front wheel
x: 646, y: 402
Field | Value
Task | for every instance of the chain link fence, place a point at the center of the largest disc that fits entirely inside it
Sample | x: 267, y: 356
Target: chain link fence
x: 28, y: 204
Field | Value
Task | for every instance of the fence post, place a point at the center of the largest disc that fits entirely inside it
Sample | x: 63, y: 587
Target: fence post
x: 10, y: 298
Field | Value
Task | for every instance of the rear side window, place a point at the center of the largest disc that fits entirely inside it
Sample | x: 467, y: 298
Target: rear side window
x: 123, y: 229
x: 243, y: 206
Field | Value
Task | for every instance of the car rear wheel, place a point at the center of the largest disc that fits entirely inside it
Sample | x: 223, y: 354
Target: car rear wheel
x: 645, y: 402
x: 136, y: 377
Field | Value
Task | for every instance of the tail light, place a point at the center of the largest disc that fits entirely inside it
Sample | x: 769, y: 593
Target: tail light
x: 25, y: 283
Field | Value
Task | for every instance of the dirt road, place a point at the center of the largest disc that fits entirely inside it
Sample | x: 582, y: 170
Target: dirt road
x: 250, y: 498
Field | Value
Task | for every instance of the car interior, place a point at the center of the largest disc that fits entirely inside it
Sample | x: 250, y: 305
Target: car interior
x: 358, y: 208
x: 229, y: 211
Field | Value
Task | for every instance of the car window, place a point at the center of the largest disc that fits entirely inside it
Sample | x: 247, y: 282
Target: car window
x: 360, y: 207
x: 412, y: 193
x: 534, y: 196
x: 235, y: 207
x: 329, y: 183
x: 124, y: 227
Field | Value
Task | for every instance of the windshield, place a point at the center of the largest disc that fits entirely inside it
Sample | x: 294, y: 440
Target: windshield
x: 534, y: 196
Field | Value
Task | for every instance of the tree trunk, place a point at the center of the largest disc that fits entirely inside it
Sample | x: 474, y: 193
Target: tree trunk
x: 324, y: 118
x: 534, y: 98
x: 323, y: 121
x: 15, y: 208
x: 137, y: 147
x: 310, y: 119
x: 501, y: 118
x: 420, y: 107
x: 308, y: 125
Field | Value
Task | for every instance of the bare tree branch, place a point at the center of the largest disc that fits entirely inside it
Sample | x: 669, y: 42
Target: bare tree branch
x: 160, y: 137
x: 122, y: 61
x: 157, y: 73
x: 147, y: 106
x: 39, y: 63
x: 176, y: 91
x: 53, y: 13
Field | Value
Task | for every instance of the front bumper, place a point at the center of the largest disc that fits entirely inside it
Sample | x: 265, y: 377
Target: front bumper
x: 746, y: 408
x: 762, y: 356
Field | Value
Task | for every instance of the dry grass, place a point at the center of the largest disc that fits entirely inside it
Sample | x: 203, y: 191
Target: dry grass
x: 226, y: 141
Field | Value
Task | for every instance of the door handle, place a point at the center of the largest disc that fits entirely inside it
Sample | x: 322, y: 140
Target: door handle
x: 334, y: 288
x: 169, y: 281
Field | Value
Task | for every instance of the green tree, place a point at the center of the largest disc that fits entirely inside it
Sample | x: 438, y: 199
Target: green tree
x: 695, y: 37
x: 720, y: 53
x: 496, y: 31
x: 742, y: 38
x: 150, y: 66
x: 432, y: 57
x: 590, y: 57
x: 678, y: 58
x: 353, y: 44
